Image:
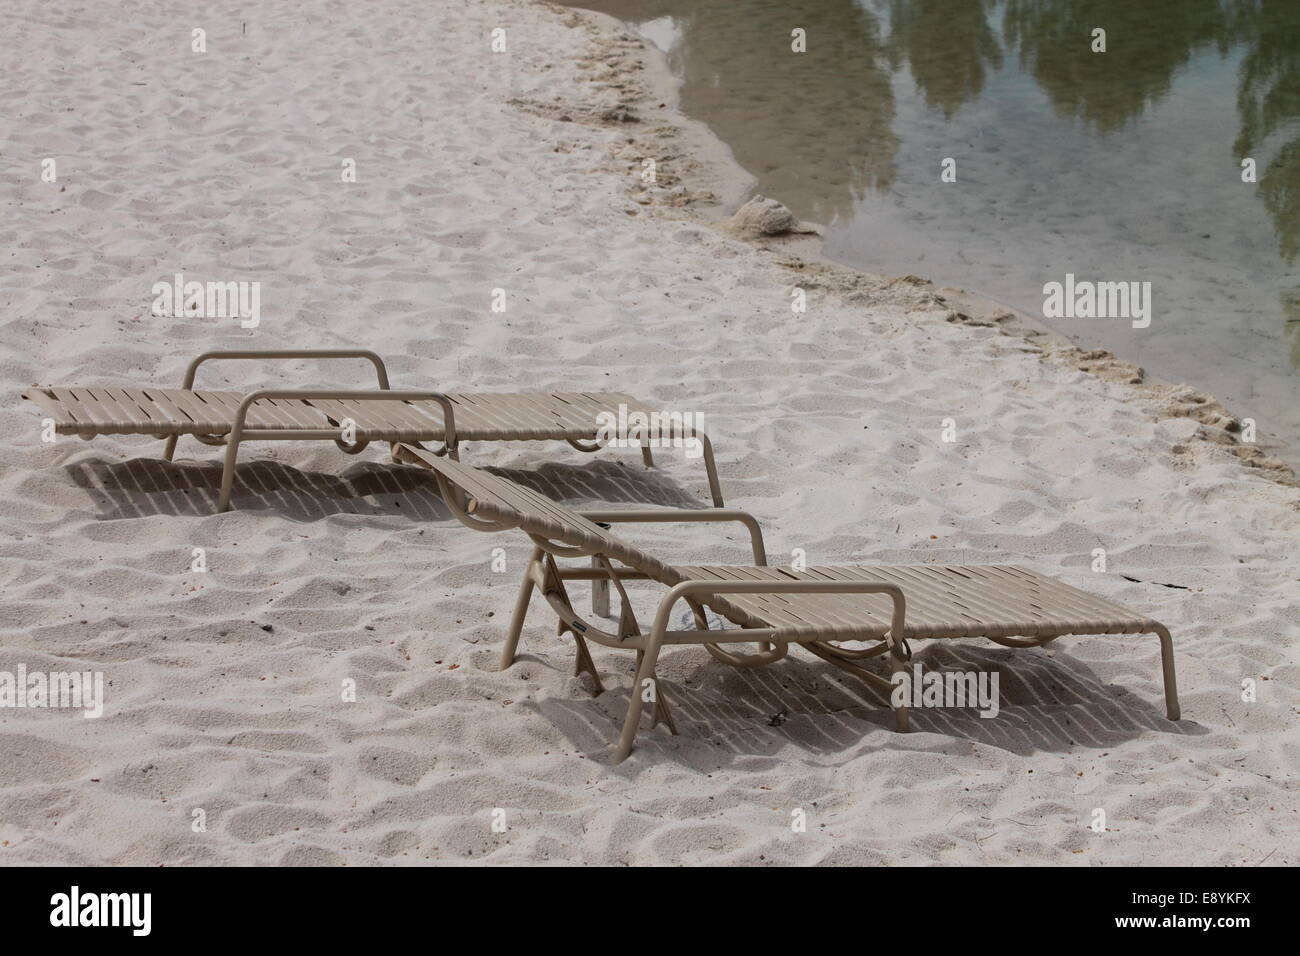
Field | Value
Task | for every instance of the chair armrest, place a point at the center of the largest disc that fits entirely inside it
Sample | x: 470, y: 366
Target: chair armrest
x: 274, y: 354
x: 386, y: 395
x: 664, y: 515
x: 895, y: 638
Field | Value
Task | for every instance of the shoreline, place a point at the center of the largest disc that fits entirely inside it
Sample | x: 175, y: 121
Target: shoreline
x: 710, y: 160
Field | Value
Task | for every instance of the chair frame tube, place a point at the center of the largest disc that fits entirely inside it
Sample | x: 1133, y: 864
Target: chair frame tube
x: 240, y: 433
x: 385, y: 391
x: 381, y: 371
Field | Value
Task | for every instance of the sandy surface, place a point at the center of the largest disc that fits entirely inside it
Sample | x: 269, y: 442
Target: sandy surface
x: 477, y: 171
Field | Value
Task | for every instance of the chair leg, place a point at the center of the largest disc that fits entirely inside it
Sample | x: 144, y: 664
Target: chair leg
x: 584, y: 661
x: 228, y: 473
x: 599, y: 591
x: 646, y: 456
x: 169, y: 448
x: 662, y: 713
x: 520, y: 612
x: 900, y: 713
x: 1172, y: 710
x: 644, y: 672
x: 711, y: 469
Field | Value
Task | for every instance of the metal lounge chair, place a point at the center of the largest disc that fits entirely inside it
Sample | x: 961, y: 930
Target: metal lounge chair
x: 382, y: 414
x: 819, y: 608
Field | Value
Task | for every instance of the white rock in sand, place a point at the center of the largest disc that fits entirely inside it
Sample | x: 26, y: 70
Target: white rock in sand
x: 762, y: 217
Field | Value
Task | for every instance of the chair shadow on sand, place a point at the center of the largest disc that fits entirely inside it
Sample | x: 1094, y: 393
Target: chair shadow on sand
x: 1049, y: 701
x: 142, y: 487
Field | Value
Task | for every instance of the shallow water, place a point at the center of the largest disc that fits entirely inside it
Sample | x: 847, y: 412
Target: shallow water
x: 1115, y: 166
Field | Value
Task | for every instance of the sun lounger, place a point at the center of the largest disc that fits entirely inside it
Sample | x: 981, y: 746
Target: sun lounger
x: 383, y: 414
x: 820, y: 608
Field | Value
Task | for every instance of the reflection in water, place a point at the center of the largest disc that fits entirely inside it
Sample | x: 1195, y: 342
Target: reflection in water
x: 818, y: 126
x: 759, y: 96
x: 1146, y: 43
x: 1268, y: 100
x: 949, y: 46
x: 1117, y: 165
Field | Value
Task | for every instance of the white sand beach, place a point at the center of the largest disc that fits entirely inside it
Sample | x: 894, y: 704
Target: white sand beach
x: 522, y: 171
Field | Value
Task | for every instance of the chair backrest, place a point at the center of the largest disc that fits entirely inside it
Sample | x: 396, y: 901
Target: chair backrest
x: 488, y: 502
